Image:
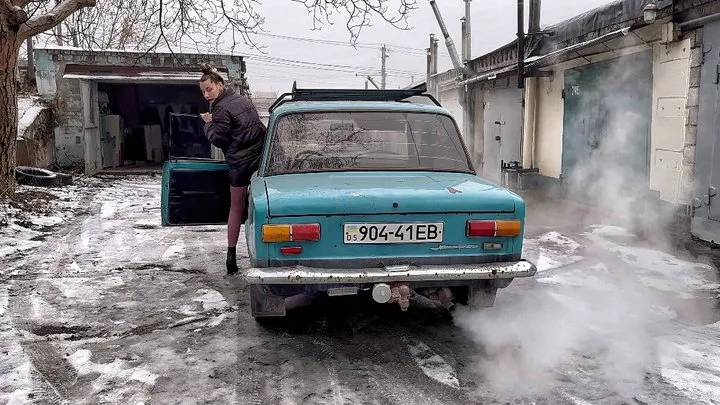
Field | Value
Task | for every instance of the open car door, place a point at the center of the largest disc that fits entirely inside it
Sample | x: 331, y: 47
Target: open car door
x: 195, y: 183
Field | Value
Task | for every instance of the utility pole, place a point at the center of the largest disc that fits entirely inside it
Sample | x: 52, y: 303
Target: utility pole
x: 384, y: 56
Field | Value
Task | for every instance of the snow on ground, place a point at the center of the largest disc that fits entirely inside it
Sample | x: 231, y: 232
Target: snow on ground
x: 36, y: 211
x: 551, y: 250
x: 690, y: 361
x: 28, y: 109
x: 165, y: 324
x: 432, y: 364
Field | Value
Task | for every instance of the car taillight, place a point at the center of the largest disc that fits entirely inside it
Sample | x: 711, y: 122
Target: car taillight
x: 291, y: 233
x: 494, y: 228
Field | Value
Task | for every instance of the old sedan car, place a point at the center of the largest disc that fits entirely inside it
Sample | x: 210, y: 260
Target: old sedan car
x: 362, y: 192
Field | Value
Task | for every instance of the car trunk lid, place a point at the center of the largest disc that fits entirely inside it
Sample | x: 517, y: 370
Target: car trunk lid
x: 369, y: 193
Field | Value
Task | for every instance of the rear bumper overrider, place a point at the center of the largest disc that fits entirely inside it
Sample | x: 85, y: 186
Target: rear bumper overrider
x: 299, y: 275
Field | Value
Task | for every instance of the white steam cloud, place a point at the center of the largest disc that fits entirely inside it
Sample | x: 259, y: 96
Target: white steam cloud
x: 600, y: 330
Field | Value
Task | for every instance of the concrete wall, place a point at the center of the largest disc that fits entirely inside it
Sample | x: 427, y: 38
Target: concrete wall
x: 671, y: 71
x: 449, y: 100
x: 672, y: 153
x: 70, y: 142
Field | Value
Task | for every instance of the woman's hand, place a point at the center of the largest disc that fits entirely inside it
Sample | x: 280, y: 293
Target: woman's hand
x: 207, y: 117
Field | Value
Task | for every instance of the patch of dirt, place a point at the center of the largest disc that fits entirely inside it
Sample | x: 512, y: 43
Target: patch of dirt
x: 162, y: 267
x: 33, y: 201
x: 48, y: 330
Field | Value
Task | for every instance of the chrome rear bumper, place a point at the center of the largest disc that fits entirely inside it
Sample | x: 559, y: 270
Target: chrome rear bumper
x: 390, y: 274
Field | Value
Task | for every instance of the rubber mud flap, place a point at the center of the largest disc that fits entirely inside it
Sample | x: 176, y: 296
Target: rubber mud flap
x: 264, y: 304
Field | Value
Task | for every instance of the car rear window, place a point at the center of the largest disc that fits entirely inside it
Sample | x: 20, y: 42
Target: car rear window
x: 332, y: 141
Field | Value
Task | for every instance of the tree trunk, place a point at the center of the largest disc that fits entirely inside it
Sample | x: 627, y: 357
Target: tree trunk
x: 9, y: 52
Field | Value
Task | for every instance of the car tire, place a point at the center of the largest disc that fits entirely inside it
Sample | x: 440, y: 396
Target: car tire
x: 270, y: 322
x: 35, y: 176
x: 64, y: 179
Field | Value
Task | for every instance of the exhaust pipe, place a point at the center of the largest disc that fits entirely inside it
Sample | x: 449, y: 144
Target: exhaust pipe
x: 381, y: 293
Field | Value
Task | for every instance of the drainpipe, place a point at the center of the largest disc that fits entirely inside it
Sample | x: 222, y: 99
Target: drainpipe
x: 468, y: 32
x: 448, y: 40
x: 521, y: 44
x: 469, y: 110
x: 531, y: 96
x: 463, y: 47
x: 530, y: 123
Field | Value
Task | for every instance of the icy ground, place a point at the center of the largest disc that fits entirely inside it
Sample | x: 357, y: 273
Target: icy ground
x: 99, y: 304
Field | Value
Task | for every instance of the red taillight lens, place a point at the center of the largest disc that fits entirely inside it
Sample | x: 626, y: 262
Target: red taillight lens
x: 481, y: 228
x: 305, y: 232
x: 494, y: 228
x: 291, y: 233
x: 294, y: 250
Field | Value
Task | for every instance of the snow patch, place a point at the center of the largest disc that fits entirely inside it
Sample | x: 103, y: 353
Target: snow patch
x: 212, y: 300
x: 110, y: 373
x: 610, y: 230
x: 662, y: 271
x: 4, y: 301
x: 108, y: 210
x: 175, y: 251
x: 85, y: 289
x: 560, y: 240
x: 28, y: 111
x: 551, y: 250
x: 691, y: 362
x: 207, y: 301
x: 15, y: 238
x: 433, y: 365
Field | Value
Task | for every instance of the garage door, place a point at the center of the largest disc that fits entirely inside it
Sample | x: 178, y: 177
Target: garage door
x: 503, y: 130
x: 606, y: 129
x: 706, y: 201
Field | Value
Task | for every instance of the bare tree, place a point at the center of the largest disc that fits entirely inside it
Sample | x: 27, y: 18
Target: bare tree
x: 150, y: 24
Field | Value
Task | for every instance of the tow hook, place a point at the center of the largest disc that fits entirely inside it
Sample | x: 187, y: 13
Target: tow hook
x: 400, y: 293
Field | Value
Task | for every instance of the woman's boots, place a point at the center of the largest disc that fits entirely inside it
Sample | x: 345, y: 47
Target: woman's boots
x: 231, y: 262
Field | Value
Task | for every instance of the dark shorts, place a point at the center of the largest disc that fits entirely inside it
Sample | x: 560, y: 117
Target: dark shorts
x: 240, y: 176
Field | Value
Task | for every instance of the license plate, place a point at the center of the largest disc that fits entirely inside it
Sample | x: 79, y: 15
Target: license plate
x: 394, y: 233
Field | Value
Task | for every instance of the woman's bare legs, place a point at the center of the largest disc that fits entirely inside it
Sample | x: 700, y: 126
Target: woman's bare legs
x: 238, y: 196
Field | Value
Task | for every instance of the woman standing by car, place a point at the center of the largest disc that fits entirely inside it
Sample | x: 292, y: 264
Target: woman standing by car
x: 234, y: 126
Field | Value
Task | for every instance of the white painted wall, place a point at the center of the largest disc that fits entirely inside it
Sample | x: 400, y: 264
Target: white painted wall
x: 449, y: 100
x: 671, y: 79
x: 549, y: 125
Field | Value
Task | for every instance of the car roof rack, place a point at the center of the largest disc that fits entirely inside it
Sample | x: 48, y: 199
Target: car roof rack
x: 399, y: 95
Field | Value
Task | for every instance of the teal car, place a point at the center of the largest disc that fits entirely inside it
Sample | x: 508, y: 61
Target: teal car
x: 362, y: 192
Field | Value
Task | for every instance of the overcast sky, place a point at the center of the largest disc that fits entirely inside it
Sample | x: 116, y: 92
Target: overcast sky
x: 493, y: 25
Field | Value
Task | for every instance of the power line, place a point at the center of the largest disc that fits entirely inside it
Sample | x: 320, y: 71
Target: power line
x: 340, y: 43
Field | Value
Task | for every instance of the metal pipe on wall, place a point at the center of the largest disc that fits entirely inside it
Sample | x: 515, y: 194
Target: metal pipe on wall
x: 468, y: 32
x: 521, y: 44
x: 530, y: 123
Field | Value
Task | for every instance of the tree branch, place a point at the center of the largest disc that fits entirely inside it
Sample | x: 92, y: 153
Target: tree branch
x: 21, y: 3
x: 44, y: 22
x: 15, y: 15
